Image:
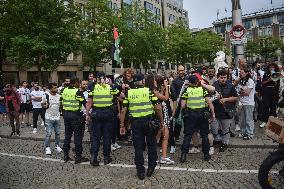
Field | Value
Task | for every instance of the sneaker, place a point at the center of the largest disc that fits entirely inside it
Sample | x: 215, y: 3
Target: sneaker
x: 241, y: 135
x: 167, y: 161
x: 112, y: 147
x: 42, y: 123
x: 35, y: 131
x: 237, y: 128
x: 247, y: 137
x: 173, y: 150
x: 211, y: 151
x: 194, y: 150
x: 262, y: 125
x: 58, y: 149
x: 116, y: 146
x: 48, y: 151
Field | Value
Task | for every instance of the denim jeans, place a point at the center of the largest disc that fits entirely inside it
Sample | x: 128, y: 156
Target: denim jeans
x: 247, y: 123
x: 50, y: 125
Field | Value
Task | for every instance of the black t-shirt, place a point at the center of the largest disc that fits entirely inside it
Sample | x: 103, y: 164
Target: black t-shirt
x: 225, y: 91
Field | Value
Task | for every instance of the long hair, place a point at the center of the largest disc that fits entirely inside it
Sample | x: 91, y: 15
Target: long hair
x: 160, y: 81
x: 244, y: 81
x: 150, y: 82
x: 275, y: 67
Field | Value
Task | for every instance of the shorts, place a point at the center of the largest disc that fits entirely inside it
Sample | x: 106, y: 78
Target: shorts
x: 25, y: 108
x: 2, y: 109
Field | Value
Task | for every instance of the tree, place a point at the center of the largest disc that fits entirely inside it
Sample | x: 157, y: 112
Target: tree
x: 142, y: 39
x: 96, y: 31
x: 207, y: 44
x: 42, y: 33
x: 179, y: 44
x: 265, y: 47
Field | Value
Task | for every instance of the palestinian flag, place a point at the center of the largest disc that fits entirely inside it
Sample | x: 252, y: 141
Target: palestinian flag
x: 116, y: 54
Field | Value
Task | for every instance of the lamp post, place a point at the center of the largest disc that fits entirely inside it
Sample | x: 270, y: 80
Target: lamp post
x: 237, y: 20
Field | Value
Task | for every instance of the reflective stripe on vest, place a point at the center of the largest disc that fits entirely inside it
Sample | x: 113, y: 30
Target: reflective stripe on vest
x: 139, y: 102
x: 102, y: 97
x: 196, y: 98
x: 69, y: 101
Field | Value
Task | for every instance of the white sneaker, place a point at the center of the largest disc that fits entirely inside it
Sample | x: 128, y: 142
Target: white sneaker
x: 116, y: 146
x: 112, y: 147
x: 173, y: 150
x: 42, y: 123
x: 48, y: 151
x: 35, y: 131
x: 167, y: 161
x: 58, y: 149
x: 237, y: 127
x: 193, y: 150
x: 211, y: 151
x: 262, y: 125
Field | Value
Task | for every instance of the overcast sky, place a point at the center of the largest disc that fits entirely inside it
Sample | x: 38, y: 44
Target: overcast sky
x: 203, y: 12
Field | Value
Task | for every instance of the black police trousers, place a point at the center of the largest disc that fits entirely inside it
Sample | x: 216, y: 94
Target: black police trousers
x: 140, y: 132
x: 73, y: 124
x: 102, y: 126
x: 194, y: 121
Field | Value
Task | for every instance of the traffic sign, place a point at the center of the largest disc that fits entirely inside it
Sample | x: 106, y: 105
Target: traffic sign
x: 237, y: 32
x: 239, y: 41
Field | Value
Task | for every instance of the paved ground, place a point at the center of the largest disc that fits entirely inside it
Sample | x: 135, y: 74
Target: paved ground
x: 23, y: 164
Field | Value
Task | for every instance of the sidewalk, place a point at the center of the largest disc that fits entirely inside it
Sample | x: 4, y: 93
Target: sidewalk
x: 260, y: 140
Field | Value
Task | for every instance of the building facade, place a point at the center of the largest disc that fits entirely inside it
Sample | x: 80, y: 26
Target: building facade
x: 258, y: 24
x: 167, y: 12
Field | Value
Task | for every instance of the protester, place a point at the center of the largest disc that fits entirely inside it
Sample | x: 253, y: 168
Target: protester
x: 25, y: 103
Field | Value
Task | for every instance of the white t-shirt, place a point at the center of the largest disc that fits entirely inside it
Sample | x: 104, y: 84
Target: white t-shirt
x: 25, y: 94
x: 248, y: 100
x: 52, y: 112
x: 38, y: 93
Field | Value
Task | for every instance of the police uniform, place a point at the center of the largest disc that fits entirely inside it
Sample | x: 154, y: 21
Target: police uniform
x: 102, y: 121
x: 140, y: 102
x: 194, y: 118
x: 72, y: 100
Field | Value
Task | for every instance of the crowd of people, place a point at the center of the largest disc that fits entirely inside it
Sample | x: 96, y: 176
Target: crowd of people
x: 149, y: 109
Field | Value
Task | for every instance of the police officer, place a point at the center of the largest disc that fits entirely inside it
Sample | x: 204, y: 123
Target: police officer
x: 101, y: 100
x: 71, y: 100
x: 141, y: 104
x: 194, y: 101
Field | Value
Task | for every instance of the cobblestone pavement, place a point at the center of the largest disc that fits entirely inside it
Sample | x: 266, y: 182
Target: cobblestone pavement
x: 23, y: 164
x: 259, y: 140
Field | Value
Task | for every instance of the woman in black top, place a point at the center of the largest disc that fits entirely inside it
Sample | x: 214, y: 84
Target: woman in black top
x: 270, y: 92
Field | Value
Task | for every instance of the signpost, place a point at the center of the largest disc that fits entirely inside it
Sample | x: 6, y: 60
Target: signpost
x: 237, y: 35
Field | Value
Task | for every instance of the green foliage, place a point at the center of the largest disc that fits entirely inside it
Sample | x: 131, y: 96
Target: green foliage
x: 265, y: 47
x: 96, y: 32
x: 42, y: 32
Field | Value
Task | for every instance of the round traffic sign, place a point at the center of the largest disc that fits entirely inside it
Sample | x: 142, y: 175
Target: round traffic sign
x: 237, y: 32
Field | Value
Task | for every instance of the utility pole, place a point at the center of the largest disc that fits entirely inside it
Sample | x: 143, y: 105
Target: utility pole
x: 237, y: 20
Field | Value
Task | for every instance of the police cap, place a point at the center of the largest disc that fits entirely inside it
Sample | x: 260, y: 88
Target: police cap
x: 138, y: 77
x: 100, y: 74
x: 192, y: 79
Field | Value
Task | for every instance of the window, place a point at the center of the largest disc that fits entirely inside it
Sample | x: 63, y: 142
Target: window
x: 280, y: 19
x: 264, y: 21
x: 148, y: 6
x: 220, y: 29
x: 282, y: 30
x: 247, y: 24
x: 265, y: 32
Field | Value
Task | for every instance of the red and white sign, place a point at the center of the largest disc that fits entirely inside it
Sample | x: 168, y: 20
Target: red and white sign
x: 237, y: 32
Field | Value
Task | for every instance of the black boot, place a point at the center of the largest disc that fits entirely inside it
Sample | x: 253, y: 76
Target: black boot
x: 183, y: 157
x: 223, y: 148
x: 66, y: 157
x: 150, y: 171
x: 141, y: 176
x: 107, y: 160
x: 207, y: 157
x: 80, y: 159
x: 93, y: 161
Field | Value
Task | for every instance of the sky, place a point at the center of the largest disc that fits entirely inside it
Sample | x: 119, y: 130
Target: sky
x: 202, y: 13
